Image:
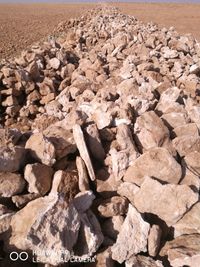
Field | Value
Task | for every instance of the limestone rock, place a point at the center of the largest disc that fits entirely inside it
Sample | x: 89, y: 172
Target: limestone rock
x: 150, y: 131
x: 41, y: 149
x: 21, y: 200
x: 83, y: 181
x: 54, y: 63
x: 192, y: 161
x: 62, y: 139
x: 132, y: 238
x: 183, y: 250
x: 142, y: 261
x: 186, y: 144
x: 36, y: 230
x: 80, y: 142
x: 154, y: 239
x: 11, y: 184
x: 156, y: 162
x: 128, y: 190
x: 169, y: 202
x: 11, y: 159
x: 113, y: 206
x: 103, y: 259
x: 189, y: 223
x: 94, y: 142
x: 188, y: 129
x: 39, y: 178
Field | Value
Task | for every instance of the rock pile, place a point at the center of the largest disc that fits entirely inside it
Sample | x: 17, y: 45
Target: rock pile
x: 100, y: 146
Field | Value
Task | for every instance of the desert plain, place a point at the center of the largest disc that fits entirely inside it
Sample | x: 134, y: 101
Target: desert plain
x: 23, y: 24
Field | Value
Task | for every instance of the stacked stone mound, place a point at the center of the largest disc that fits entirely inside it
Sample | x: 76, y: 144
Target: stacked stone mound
x: 100, y: 146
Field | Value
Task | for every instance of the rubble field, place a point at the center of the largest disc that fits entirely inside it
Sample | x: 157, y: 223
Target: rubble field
x: 100, y: 146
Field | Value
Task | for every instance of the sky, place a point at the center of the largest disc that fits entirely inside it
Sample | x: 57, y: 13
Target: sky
x: 67, y: 1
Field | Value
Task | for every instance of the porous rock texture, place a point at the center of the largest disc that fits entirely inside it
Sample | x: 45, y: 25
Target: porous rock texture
x: 100, y: 146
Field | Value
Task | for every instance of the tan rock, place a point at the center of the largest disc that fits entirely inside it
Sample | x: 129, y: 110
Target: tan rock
x: 189, y: 223
x: 81, y: 145
x: 156, y: 162
x: 103, y: 259
x: 11, y: 184
x: 192, y: 161
x: 150, y: 131
x: 83, y: 181
x: 132, y: 238
x: 183, y: 250
x: 154, y: 240
x: 46, y: 213
x: 11, y: 159
x: 113, y: 206
x: 186, y: 144
x: 21, y: 200
x: 39, y: 178
x: 54, y: 63
x: 191, y: 180
x: 128, y: 190
x: 41, y: 149
x: 169, y: 202
x: 94, y: 142
x: 188, y: 129
x: 142, y: 261
x: 174, y: 119
x: 62, y: 139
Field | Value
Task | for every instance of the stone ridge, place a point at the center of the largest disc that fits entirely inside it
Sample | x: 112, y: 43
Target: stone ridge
x: 99, y: 145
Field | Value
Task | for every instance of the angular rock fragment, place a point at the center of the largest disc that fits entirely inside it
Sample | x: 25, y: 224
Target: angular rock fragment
x: 192, y: 161
x: 156, y: 162
x: 94, y: 142
x: 186, y: 144
x: 11, y: 184
x: 150, y: 131
x: 11, y: 159
x: 113, y: 206
x: 80, y: 142
x: 83, y: 181
x: 21, y: 200
x: 39, y: 178
x: 154, y: 240
x: 41, y: 149
x: 169, y: 202
x: 183, y: 251
x: 189, y: 223
x: 142, y: 261
x: 132, y: 238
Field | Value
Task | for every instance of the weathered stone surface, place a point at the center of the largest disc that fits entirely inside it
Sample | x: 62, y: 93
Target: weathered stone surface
x: 5, y: 218
x: 150, y: 131
x: 11, y: 159
x: 94, y: 142
x: 192, y: 161
x: 62, y: 139
x: 189, y: 223
x: 39, y: 178
x: 83, y: 181
x: 80, y: 142
x: 142, y: 261
x: 169, y: 202
x: 34, y: 230
x: 183, y: 251
x: 186, y: 144
x: 41, y: 149
x: 113, y: 206
x: 188, y: 129
x: 128, y: 190
x: 21, y: 200
x: 103, y: 259
x: 156, y: 162
x: 154, y: 239
x: 11, y: 184
x: 132, y: 238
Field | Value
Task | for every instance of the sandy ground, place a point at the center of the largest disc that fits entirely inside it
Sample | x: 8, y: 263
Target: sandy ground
x: 184, y: 17
x: 23, y: 24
